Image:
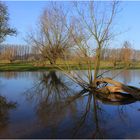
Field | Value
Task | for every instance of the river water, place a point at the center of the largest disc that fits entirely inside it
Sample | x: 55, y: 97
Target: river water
x: 45, y: 108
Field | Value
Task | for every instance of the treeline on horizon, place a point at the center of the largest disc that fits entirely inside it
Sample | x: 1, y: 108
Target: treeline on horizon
x: 12, y: 53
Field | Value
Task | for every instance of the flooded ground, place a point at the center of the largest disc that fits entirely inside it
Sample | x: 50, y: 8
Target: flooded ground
x: 47, y: 107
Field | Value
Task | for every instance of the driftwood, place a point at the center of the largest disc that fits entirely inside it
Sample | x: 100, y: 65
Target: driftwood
x: 117, y: 87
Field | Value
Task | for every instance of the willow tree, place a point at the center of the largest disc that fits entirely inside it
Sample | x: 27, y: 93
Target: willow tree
x: 53, y: 35
x: 97, y: 19
x: 95, y: 23
x: 5, y: 29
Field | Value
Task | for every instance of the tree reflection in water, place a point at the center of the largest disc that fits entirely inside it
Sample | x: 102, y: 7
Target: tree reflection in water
x: 50, y: 94
x: 56, y: 100
x: 51, y: 88
x: 94, y: 106
x: 5, y: 106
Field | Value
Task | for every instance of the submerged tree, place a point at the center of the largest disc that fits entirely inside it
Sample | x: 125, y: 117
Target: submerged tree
x: 95, y: 24
x: 5, y: 30
x: 97, y: 20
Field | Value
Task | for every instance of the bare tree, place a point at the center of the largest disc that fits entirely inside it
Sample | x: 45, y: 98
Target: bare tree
x: 53, y: 37
x: 94, y: 22
x: 126, y: 53
x: 13, y: 52
x: 136, y: 55
x: 8, y: 53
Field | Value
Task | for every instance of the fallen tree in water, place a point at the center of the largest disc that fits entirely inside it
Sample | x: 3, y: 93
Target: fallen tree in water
x: 117, y: 90
x: 113, y: 98
x: 114, y: 92
x: 99, y: 30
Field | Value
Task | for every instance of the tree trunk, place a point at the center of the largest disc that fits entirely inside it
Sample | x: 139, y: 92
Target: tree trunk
x: 97, y: 63
x: 118, y: 87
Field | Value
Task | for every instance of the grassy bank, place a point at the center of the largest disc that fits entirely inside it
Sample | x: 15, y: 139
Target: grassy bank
x: 22, y: 66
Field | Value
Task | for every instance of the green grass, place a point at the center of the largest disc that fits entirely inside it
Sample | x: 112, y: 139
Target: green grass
x: 22, y: 66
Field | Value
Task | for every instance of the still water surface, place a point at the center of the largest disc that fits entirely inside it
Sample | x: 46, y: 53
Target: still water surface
x: 45, y: 108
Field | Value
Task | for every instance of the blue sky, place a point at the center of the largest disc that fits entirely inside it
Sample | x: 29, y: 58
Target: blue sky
x: 24, y: 15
